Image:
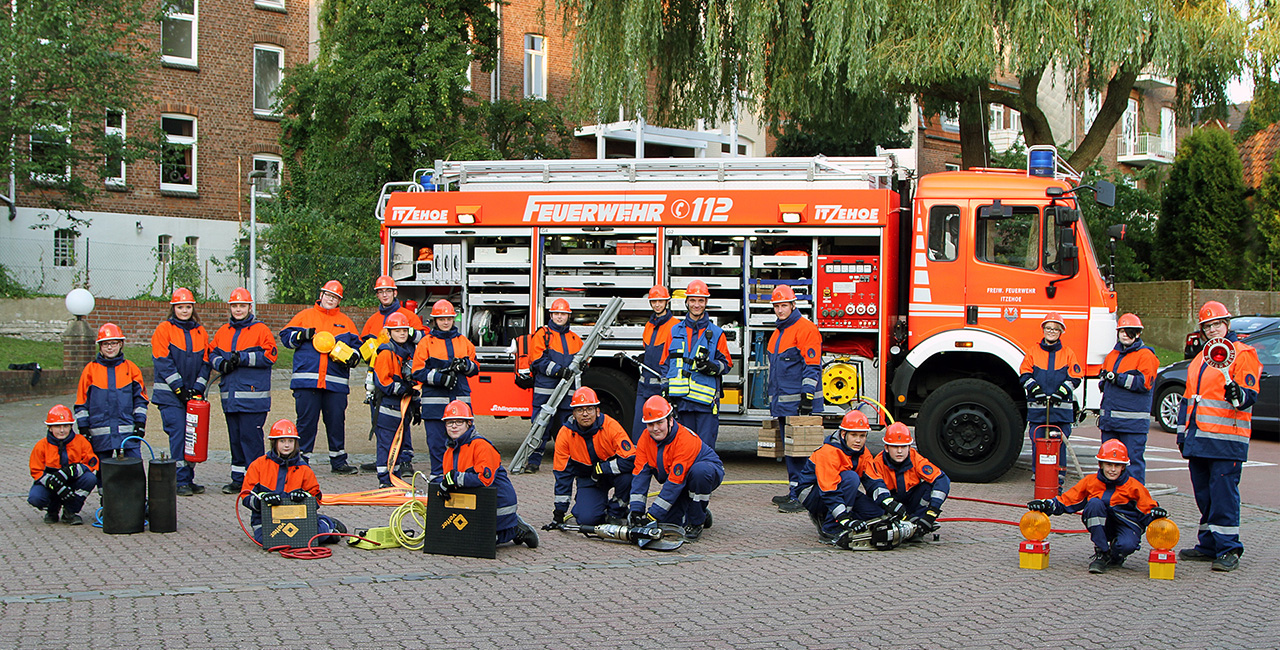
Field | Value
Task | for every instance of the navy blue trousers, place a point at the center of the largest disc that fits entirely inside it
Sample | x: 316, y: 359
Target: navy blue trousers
x: 313, y: 403
x: 244, y: 432
x: 690, y: 508
x: 593, y: 501
x: 703, y: 423
x: 1216, y: 484
x: 1110, y: 531
x: 174, y: 421
x: 45, y: 499
x: 854, y: 499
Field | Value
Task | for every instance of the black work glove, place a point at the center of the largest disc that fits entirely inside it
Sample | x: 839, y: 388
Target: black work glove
x: 195, y: 394
x: 583, y: 363
x: 406, y: 369
x: 893, y: 507
x: 69, y: 474
x: 638, y: 519
x: 353, y: 360
x: 181, y: 394
x: 414, y: 411
x: 1234, y: 394
x: 1041, y: 505
x: 1063, y: 393
x: 451, y: 481
x: 459, y: 365
x: 561, y: 372
x: 926, y: 522
x: 806, y: 404
x: 448, y: 380
x: 1107, y: 376
x: 272, y: 499
x: 54, y: 482
x: 64, y: 491
x: 855, y: 525
x: 305, y: 335
x: 597, y: 471
x: 298, y: 496
x: 140, y: 430
x: 230, y: 362
x: 1158, y: 513
x: 706, y: 367
x: 1036, y: 394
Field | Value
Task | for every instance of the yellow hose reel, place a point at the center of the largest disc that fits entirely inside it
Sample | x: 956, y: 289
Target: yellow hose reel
x: 841, y: 383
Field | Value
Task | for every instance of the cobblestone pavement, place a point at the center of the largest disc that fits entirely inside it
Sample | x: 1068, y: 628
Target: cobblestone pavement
x: 758, y: 579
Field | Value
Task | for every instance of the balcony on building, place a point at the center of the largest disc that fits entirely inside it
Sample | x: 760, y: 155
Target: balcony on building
x: 1149, y: 80
x: 1146, y: 149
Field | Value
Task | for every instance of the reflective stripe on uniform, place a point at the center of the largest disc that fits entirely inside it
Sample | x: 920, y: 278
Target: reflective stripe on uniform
x: 1126, y: 415
x: 661, y: 503
x: 1095, y: 521
x: 509, y: 510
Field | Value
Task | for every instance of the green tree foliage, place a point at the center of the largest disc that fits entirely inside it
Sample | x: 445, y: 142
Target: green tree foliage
x: 1263, y: 259
x: 305, y: 247
x: 1203, y: 219
x: 521, y: 129
x: 67, y: 64
x: 786, y: 54
x: 851, y: 125
x: 1137, y: 208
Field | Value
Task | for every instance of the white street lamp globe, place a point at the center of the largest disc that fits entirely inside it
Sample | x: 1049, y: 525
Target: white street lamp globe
x: 79, y: 302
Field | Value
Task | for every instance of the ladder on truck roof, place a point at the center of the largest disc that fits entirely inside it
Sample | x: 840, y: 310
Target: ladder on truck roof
x: 878, y: 172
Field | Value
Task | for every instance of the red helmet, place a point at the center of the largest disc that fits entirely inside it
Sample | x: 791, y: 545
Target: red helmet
x: 1129, y: 321
x: 457, y: 410
x: 1213, y: 310
x: 59, y: 414
x: 282, y: 429
x: 584, y: 397
x: 443, y: 309
x: 182, y: 296
x: 384, y: 282
x: 1113, y: 451
x: 655, y: 408
x: 855, y: 421
x: 110, y: 332
x: 560, y: 306
x: 334, y: 287
x: 897, y: 435
x: 659, y: 293
x: 782, y: 293
x: 697, y: 289
x: 1054, y: 317
x: 397, y: 320
x: 240, y: 295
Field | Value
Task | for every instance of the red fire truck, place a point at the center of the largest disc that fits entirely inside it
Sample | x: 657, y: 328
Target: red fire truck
x: 927, y: 296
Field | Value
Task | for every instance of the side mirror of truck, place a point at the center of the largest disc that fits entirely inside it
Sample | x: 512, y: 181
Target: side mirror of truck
x: 1065, y: 216
x: 1105, y: 193
x: 1068, y: 259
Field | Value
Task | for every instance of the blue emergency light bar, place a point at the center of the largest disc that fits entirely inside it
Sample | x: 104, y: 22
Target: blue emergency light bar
x: 1042, y: 161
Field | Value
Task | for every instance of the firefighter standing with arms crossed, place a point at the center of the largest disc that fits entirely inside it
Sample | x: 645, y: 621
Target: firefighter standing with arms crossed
x: 320, y: 381
x: 657, y: 340
x: 795, y: 379
x: 180, y: 354
x: 244, y: 351
x: 1126, y: 378
x: 697, y: 358
x: 371, y: 336
x: 551, y: 351
x: 1214, y: 423
x: 442, y: 362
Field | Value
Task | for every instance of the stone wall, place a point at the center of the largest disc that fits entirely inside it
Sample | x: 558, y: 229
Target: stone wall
x: 1166, y: 308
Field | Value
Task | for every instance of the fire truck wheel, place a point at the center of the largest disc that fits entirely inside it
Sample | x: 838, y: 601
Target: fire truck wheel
x: 617, y: 393
x: 971, y: 429
x: 1167, y: 407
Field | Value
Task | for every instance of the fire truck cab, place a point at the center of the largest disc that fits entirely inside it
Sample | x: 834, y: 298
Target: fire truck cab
x: 927, y: 297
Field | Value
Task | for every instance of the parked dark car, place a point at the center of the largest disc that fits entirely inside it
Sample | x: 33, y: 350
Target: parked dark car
x: 1243, y: 326
x: 1171, y: 382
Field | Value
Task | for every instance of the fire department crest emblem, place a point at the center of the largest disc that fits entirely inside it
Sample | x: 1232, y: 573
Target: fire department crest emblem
x: 1011, y: 314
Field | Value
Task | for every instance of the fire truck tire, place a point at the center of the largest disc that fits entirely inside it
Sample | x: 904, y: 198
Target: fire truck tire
x: 971, y: 429
x: 617, y: 393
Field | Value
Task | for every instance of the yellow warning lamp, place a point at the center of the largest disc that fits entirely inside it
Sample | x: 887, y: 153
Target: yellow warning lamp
x: 1033, y: 552
x: 1162, y: 535
x: 324, y: 342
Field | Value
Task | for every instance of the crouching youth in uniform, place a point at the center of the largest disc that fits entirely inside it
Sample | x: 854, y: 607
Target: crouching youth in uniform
x: 688, y: 469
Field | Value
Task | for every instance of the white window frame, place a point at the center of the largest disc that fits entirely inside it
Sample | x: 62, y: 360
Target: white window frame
x: 264, y: 47
x: 264, y: 188
x: 49, y: 179
x: 194, y: 19
x: 535, y: 66
x: 195, y: 154
x: 194, y: 242
x: 1168, y: 130
x: 277, y: 5
x: 1129, y: 127
x: 120, y: 131
x: 164, y: 247
x: 64, y: 247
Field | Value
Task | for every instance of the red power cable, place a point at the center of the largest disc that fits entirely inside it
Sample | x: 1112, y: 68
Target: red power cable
x: 308, y: 552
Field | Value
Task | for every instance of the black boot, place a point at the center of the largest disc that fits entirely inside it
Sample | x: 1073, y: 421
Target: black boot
x: 51, y: 516
x: 72, y: 518
x: 1099, y: 562
x: 706, y: 523
x: 525, y: 534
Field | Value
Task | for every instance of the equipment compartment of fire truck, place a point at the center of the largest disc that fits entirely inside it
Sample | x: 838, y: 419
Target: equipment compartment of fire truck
x: 926, y: 303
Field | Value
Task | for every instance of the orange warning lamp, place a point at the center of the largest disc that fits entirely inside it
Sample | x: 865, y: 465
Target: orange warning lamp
x: 324, y: 342
x: 1033, y: 552
x: 1162, y: 535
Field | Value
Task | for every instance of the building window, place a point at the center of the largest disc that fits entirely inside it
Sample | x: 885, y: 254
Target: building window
x: 179, y: 32
x: 1168, y: 131
x: 268, y: 70
x: 950, y: 167
x: 164, y: 245
x: 277, y: 5
x: 535, y: 66
x: 178, y: 158
x: 114, y: 169
x: 64, y: 247
x: 1010, y: 241
x: 50, y: 153
x: 950, y: 123
x: 194, y: 244
x: 267, y: 186
x: 1129, y: 129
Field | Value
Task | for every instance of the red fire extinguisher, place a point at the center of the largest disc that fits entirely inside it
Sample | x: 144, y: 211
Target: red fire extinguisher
x: 1047, y: 439
x: 196, y: 448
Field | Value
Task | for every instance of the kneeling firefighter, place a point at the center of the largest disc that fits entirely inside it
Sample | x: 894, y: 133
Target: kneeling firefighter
x: 283, y: 474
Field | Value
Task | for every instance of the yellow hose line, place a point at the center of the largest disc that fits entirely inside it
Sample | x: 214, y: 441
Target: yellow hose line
x: 882, y: 408
x: 415, y: 508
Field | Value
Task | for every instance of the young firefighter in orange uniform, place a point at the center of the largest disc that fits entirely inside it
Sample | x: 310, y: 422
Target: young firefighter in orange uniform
x: 320, y: 381
x: 795, y: 379
x: 244, y: 351
x: 656, y: 340
x: 830, y: 480
x: 1050, y: 375
x: 283, y: 474
x: 111, y: 403
x: 917, y: 488
x: 686, y: 466
x: 392, y: 369
x: 551, y: 351
x: 470, y: 461
x: 1115, y: 507
x: 371, y: 336
x: 180, y: 353
x: 443, y: 362
x: 593, y: 451
x: 695, y: 365
x: 63, y: 466
x: 1127, y: 375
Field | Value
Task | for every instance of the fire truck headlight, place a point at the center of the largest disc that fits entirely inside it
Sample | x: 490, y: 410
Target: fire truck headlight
x: 790, y: 217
